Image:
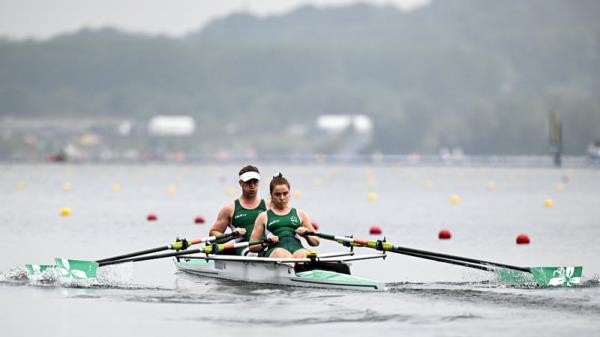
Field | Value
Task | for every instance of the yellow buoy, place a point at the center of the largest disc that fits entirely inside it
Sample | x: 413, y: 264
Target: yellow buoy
x: 560, y: 187
x: 67, y: 186
x: 491, y: 185
x: 428, y: 184
x: 317, y: 182
x: 171, y: 189
x: 548, y: 203
x: 372, y: 196
x: 297, y: 194
x: 21, y: 185
x: 231, y: 191
x: 455, y: 199
x: 65, y: 211
x: 116, y: 187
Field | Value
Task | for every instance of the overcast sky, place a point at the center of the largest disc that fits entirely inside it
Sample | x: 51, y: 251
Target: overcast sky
x: 41, y: 19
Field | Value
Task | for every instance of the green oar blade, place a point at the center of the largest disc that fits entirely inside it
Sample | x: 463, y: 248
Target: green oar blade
x: 542, y: 276
x: 557, y: 276
x: 76, y: 269
x: 37, y: 269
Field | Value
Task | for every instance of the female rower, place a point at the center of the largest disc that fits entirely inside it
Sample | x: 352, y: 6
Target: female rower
x: 282, y: 223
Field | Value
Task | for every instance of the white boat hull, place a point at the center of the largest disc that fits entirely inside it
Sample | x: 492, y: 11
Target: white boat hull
x: 275, y: 273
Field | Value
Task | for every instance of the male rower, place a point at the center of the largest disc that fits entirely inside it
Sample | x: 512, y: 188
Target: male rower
x: 240, y: 215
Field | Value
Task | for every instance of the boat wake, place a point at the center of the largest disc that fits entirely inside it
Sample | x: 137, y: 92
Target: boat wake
x: 108, y: 278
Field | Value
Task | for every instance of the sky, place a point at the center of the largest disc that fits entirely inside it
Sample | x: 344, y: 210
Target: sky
x: 43, y: 19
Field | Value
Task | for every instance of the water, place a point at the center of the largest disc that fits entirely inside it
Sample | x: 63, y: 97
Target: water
x: 424, y: 298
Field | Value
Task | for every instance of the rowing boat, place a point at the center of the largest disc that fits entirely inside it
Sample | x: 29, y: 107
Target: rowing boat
x: 324, y: 271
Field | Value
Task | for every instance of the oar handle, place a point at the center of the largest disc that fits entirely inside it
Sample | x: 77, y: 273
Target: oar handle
x: 214, y: 238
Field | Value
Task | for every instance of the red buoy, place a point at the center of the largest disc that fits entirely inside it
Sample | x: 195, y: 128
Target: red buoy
x: 315, y: 225
x: 199, y: 220
x: 151, y: 217
x: 375, y: 230
x: 523, y: 239
x: 444, y: 234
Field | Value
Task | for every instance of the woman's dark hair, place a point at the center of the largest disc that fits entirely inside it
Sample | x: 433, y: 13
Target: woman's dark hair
x: 248, y: 168
x: 278, y: 180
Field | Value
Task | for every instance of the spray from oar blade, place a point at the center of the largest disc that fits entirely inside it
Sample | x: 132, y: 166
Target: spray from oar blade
x: 36, y: 269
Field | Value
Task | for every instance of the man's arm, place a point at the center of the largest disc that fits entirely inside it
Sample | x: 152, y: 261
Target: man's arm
x: 223, y: 220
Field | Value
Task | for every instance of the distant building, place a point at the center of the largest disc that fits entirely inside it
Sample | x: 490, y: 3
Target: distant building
x: 171, y: 126
x: 340, y: 123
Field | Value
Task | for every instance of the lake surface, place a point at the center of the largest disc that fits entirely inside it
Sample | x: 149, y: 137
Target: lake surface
x: 424, y: 298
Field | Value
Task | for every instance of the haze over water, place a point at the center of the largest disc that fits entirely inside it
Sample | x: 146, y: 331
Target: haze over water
x: 424, y: 298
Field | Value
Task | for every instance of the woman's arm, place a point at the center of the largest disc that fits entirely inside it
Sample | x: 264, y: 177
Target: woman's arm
x: 258, y: 231
x: 307, y: 227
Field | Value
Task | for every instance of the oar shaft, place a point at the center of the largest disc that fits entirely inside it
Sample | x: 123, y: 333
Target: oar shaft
x: 449, y: 261
x: 211, y: 249
x: 178, y: 245
x: 141, y: 252
x: 150, y: 257
x: 405, y: 250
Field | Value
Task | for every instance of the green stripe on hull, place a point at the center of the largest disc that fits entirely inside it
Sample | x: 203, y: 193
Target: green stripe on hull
x: 331, y: 278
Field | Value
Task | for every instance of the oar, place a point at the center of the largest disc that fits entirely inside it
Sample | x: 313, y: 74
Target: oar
x: 81, y: 269
x: 36, y: 269
x: 543, y: 276
x: 177, y: 245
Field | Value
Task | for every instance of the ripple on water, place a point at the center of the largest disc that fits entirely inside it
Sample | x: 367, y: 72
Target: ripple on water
x: 553, y: 299
x: 339, y: 316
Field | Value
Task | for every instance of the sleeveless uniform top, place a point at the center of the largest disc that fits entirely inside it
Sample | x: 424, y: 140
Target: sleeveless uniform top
x: 284, y: 226
x: 244, y: 218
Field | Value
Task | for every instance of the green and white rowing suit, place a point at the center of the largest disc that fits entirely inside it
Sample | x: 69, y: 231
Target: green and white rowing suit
x: 284, y: 227
x: 245, y: 218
